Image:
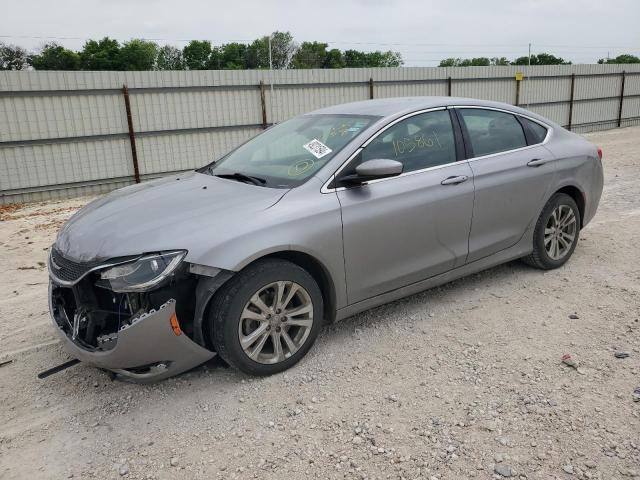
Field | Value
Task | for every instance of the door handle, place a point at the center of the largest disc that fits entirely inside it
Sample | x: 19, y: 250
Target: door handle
x: 454, y: 180
x: 536, y: 162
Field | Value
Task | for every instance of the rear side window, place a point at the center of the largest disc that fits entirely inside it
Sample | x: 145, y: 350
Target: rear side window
x: 491, y: 131
x: 536, y: 132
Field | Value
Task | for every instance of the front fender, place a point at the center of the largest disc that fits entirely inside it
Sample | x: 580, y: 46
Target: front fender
x: 305, y: 221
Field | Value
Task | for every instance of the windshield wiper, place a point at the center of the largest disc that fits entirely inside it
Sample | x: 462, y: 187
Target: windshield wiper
x: 241, y: 177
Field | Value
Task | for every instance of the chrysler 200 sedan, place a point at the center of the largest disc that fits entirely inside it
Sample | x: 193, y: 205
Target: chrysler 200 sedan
x: 312, y: 221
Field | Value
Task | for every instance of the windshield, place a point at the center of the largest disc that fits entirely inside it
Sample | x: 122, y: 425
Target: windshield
x: 287, y: 154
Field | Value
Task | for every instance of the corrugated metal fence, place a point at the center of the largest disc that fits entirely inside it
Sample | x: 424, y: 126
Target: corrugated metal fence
x: 69, y: 133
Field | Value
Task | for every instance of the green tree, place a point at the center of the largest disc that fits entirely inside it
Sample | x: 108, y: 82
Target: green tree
x: 450, y: 62
x: 138, y: 55
x: 334, y: 59
x: 541, y: 59
x: 13, y: 57
x: 282, y: 50
x: 499, y: 61
x: 100, y: 55
x: 55, y: 57
x: 259, y: 53
x: 215, y: 59
x: 624, y: 58
x: 310, y: 55
x: 357, y: 59
x: 386, y: 59
x: 197, y: 54
x: 476, y: 62
x: 233, y: 56
x: 169, y: 58
x: 468, y: 62
x: 252, y: 57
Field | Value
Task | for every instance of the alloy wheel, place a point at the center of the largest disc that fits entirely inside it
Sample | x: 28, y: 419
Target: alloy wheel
x: 560, y: 232
x: 275, y: 322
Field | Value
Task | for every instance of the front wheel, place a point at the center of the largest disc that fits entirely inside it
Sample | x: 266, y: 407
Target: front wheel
x: 265, y: 319
x: 556, y: 233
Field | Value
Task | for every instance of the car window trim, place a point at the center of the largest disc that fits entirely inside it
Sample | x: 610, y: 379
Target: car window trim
x: 327, y: 188
x: 467, y: 140
x: 468, y: 136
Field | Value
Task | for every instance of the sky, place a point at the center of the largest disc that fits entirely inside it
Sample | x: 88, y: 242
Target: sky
x: 423, y: 31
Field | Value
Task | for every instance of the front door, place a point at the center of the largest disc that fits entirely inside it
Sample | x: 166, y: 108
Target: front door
x: 401, y: 230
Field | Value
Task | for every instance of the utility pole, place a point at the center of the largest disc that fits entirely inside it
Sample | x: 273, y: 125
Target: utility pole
x: 271, y: 81
x: 529, y: 63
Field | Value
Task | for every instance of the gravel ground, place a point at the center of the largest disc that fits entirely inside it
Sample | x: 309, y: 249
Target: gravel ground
x: 457, y: 382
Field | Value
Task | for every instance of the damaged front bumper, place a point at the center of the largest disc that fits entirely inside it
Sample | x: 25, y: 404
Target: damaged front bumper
x: 147, y: 347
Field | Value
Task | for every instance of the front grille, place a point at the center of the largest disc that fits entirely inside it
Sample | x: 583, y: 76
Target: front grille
x: 68, y: 270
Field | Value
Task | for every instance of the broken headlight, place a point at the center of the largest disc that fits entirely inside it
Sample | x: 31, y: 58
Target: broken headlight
x: 142, y: 274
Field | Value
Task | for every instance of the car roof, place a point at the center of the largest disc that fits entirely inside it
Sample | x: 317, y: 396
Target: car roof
x: 392, y: 107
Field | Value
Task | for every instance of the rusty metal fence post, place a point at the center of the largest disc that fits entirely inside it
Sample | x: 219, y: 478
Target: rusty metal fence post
x: 571, y: 96
x: 449, y: 86
x: 132, y: 135
x: 621, y: 100
x: 371, y: 88
x: 263, y: 103
x: 517, y: 92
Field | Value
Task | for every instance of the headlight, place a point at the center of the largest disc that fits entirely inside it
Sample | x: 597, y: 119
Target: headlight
x: 142, y: 274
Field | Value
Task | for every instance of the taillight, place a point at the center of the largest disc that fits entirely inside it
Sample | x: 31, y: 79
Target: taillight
x: 599, y: 153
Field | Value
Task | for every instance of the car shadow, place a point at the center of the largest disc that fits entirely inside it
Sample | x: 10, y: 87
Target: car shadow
x: 388, y: 313
x: 217, y: 371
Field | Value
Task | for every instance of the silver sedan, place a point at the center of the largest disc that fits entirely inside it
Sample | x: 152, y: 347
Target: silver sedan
x: 316, y: 219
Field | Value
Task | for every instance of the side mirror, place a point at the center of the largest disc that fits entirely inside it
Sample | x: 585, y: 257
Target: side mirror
x: 373, y: 170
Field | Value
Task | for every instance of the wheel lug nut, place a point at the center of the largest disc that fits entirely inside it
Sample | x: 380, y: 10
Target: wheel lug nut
x: 268, y: 327
x: 277, y: 329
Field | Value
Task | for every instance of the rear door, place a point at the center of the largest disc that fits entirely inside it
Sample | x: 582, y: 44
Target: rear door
x: 400, y: 230
x: 512, y: 172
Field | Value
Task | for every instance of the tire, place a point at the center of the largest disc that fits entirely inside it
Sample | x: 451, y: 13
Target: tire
x: 544, y: 255
x: 246, y: 305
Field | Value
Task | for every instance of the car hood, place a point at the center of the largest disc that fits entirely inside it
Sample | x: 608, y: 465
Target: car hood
x: 177, y: 212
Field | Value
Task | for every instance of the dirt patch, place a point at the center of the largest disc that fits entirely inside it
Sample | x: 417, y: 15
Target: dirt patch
x: 5, y: 216
x: 462, y: 381
x: 6, y: 211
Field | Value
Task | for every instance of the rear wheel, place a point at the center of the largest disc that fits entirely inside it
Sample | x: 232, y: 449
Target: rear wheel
x: 265, y: 319
x: 556, y: 233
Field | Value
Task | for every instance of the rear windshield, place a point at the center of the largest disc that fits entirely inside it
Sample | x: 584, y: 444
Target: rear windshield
x: 289, y: 153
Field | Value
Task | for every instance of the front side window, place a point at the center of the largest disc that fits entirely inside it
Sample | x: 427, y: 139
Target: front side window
x: 421, y: 141
x: 289, y: 153
x: 491, y: 131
